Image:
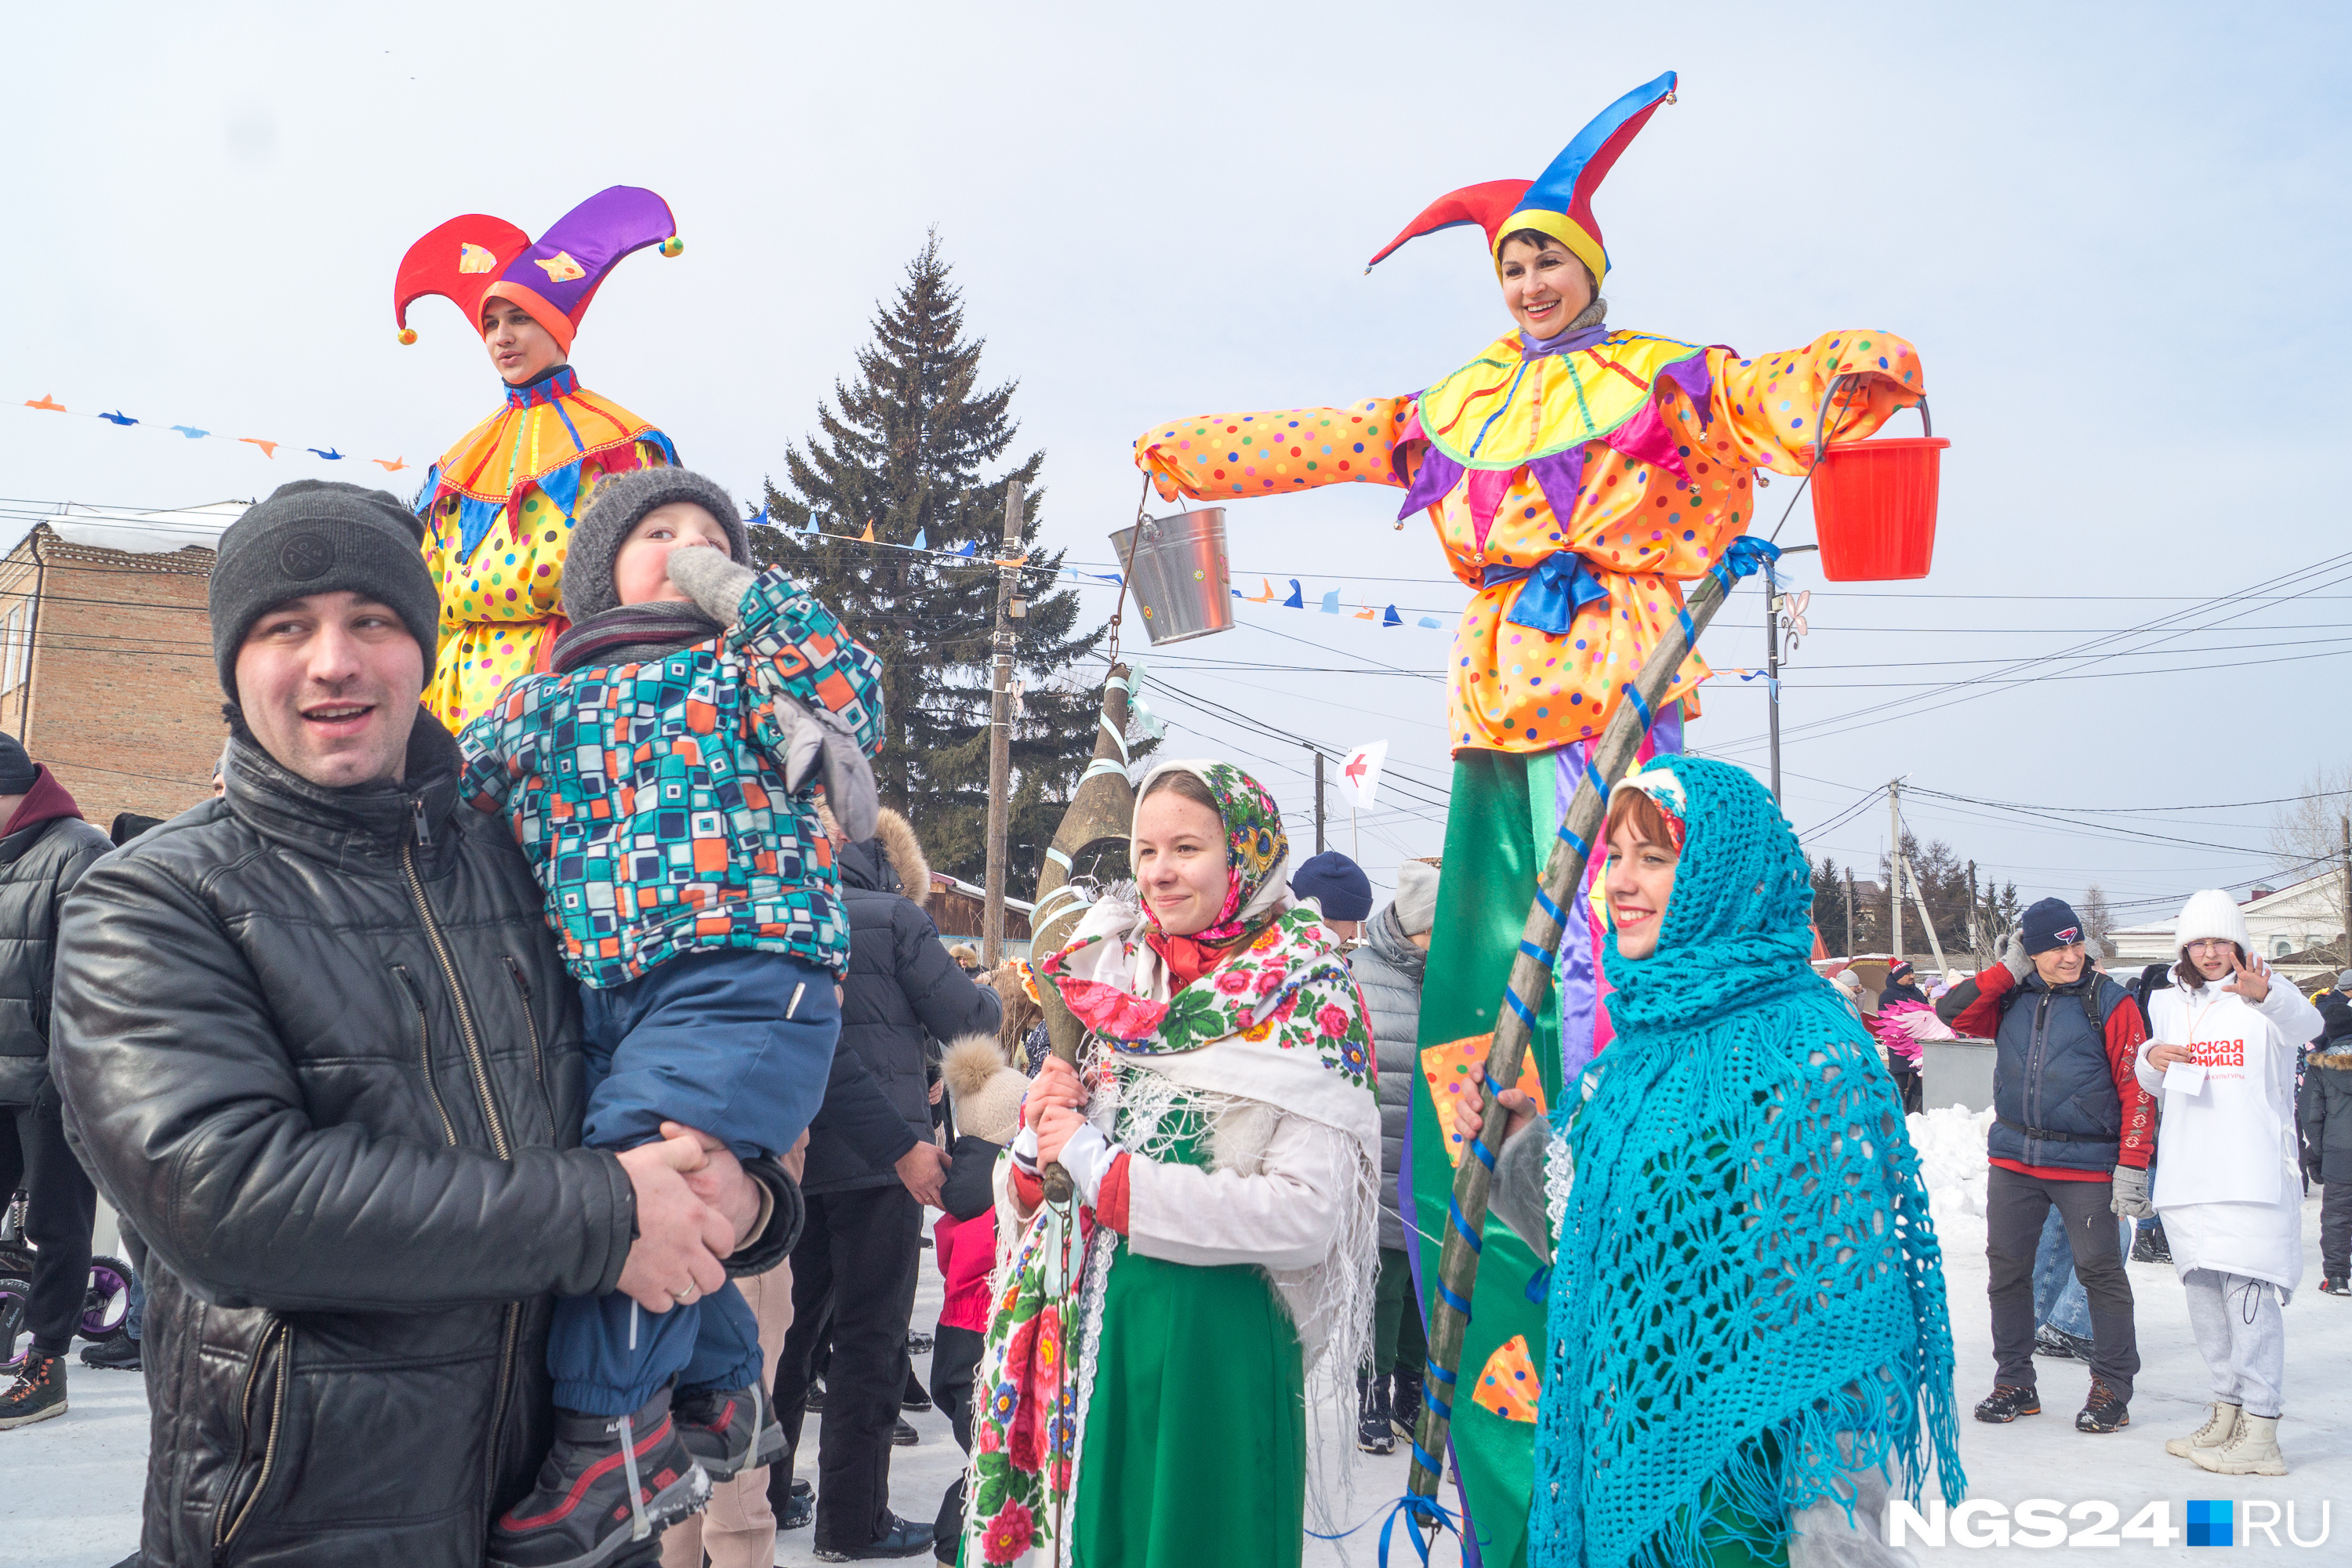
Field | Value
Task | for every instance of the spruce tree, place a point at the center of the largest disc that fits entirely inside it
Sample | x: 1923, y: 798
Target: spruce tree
x: 902, y: 450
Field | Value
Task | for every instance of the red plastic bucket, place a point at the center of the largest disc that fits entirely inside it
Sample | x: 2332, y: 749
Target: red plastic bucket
x: 1875, y: 505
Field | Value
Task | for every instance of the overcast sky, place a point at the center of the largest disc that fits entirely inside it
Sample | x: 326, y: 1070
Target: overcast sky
x: 2115, y: 233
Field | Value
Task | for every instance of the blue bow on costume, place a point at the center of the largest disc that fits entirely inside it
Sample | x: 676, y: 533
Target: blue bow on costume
x: 1558, y: 585
x: 1563, y: 582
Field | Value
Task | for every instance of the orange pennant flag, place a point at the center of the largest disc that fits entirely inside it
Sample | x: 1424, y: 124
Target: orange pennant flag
x: 394, y: 467
x: 1368, y: 614
x: 269, y: 449
x: 45, y: 401
x: 869, y: 535
x: 1266, y: 597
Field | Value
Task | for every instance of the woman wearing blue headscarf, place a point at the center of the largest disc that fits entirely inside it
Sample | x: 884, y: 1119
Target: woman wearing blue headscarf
x: 1746, y: 1327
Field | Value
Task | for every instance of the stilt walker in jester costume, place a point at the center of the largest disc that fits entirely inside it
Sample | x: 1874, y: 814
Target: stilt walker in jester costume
x: 1576, y: 475
x: 498, y: 506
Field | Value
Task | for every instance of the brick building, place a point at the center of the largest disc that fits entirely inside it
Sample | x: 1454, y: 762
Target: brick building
x: 106, y: 667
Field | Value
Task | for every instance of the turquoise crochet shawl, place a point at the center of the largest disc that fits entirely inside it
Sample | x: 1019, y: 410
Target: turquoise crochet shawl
x: 1747, y: 1302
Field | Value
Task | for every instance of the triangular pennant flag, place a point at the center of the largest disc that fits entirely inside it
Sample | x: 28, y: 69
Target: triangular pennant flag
x: 330, y: 454
x: 968, y: 547
x: 45, y: 401
x: 1368, y: 614
x: 922, y: 538
x: 269, y: 449
x: 1331, y: 602
x: 193, y: 433
x: 117, y: 417
x: 1265, y: 595
x: 868, y: 537
x: 1392, y: 618
x: 1430, y: 621
x: 1295, y: 602
x: 390, y: 465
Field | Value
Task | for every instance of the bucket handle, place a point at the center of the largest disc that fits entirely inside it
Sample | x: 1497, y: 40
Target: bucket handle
x: 1822, y: 432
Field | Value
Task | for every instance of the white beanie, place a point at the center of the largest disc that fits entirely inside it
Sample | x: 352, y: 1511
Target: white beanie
x: 1416, y: 896
x: 2211, y: 913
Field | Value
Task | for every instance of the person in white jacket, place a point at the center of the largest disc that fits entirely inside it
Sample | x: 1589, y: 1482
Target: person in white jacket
x: 2220, y: 1053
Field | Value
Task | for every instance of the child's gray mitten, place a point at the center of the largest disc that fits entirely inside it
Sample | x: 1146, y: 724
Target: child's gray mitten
x: 712, y: 580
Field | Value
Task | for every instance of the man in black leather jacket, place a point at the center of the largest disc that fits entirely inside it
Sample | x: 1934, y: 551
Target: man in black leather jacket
x: 315, y: 1041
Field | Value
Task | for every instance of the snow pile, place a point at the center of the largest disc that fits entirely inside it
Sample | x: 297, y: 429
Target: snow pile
x: 1951, y: 1145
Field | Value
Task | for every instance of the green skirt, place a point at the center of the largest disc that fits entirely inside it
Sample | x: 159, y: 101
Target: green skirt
x: 1195, y: 1447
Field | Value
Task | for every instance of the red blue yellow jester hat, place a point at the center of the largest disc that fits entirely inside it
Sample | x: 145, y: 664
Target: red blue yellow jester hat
x: 476, y: 258
x: 1558, y: 202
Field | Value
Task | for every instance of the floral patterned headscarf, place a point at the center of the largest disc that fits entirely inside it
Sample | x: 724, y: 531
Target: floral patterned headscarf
x: 1258, y: 857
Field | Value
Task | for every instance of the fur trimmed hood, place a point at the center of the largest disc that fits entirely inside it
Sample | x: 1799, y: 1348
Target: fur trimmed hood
x: 2337, y: 1058
x: 892, y: 861
x: 984, y: 1090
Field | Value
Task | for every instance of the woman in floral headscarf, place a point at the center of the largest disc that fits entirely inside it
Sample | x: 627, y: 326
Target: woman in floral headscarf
x: 1144, y: 1389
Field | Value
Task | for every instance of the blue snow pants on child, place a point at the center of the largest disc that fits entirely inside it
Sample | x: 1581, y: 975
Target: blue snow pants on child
x: 735, y: 1043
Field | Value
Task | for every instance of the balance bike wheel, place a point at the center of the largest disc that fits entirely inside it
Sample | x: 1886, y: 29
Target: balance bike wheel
x: 106, y: 1303
x: 15, y: 1294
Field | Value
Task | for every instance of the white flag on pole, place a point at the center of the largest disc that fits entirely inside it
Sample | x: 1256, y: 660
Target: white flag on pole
x: 1359, y: 775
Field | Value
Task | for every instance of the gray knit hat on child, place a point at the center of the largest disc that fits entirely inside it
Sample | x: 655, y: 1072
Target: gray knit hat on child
x: 320, y: 536
x: 618, y: 505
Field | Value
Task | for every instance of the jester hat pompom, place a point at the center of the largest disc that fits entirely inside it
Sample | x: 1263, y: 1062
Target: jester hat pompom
x: 476, y: 258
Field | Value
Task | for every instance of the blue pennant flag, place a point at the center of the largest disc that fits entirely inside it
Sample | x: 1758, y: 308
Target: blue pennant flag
x: 967, y: 548
x: 1430, y: 621
x: 1297, y: 601
x: 1392, y: 618
x: 330, y: 454
x: 922, y: 538
x: 1331, y: 602
x: 117, y: 417
x: 190, y: 432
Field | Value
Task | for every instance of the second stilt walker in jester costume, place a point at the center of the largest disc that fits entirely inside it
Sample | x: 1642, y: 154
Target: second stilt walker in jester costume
x: 1577, y: 475
x: 498, y: 506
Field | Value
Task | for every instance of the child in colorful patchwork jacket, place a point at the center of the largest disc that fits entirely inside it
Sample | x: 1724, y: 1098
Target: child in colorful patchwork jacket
x: 661, y: 779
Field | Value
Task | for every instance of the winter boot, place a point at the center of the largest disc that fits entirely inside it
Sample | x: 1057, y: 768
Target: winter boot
x: 2334, y: 1283
x: 916, y: 1397
x: 2148, y: 1244
x: 2007, y: 1402
x: 903, y: 1434
x: 1372, y: 1432
x: 2103, y: 1411
x: 2052, y: 1341
x: 610, y: 1483
x: 119, y: 1354
x: 2251, y: 1450
x: 728, y: 1429
x: 39, y: 1393
x: 2219, y: 1428
x: 1404, y: 1402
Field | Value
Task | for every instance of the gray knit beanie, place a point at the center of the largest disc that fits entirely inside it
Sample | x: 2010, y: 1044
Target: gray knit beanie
x: 619, y: 504
x: 319, y: 536
x: 1416, y: 896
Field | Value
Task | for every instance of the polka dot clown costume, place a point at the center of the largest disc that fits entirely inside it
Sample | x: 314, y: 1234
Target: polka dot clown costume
x: 498, y: 506
x: 1575, y: 483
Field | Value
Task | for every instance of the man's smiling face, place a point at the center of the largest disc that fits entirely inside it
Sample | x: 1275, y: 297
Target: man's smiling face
x: 329, y: 685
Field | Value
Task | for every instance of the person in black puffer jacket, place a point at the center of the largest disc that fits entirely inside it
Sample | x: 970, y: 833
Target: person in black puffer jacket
x: 45, y: 847
x: 315, y: 1040
x: 2324, y: 1110
x: 855, y: 1269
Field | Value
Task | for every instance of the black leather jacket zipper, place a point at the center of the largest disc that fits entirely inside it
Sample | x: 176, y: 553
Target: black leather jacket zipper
x: 280, y: 1333
x: 425, y: 1050
x: 531, y: 1022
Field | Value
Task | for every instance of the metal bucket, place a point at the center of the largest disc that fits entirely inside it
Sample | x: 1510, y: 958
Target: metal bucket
x: 1176, y: 574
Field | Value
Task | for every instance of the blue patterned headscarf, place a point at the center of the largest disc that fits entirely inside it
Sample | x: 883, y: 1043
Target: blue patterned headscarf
x: 1747, y: 1302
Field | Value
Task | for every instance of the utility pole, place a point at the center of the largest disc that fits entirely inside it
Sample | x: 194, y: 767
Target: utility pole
x: 1895, y: 866
x: 1976, y: 925
x: 1772, y: 670
x: 1000, y: 732
x: 1319, y: 799
x: 2347, y: 892
x: 1849, y: 910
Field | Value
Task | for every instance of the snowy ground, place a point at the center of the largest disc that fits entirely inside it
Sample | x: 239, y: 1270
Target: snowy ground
x: 69, y: 1488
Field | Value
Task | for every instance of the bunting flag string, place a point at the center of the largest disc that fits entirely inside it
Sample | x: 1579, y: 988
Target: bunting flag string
x: 48, y: 404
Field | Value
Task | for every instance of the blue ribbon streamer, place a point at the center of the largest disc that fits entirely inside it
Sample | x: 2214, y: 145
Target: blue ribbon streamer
x: 1453, y: 1213
x: 1639, y: 707
x: 1416, y: 1509
x: 1557, y: 586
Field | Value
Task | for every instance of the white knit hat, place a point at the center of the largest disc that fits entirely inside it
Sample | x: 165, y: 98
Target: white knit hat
x: 984, y: 1090
x: 1416, y: 896
x: 2211, y: 913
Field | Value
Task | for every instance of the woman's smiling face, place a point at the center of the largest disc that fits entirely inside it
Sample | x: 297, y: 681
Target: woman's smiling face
x: 1640, y: 881
x: 1179, y: 862
x: 1543, y: 287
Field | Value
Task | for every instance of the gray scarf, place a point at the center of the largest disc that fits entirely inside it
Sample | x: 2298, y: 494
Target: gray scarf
x: 633, y: 634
